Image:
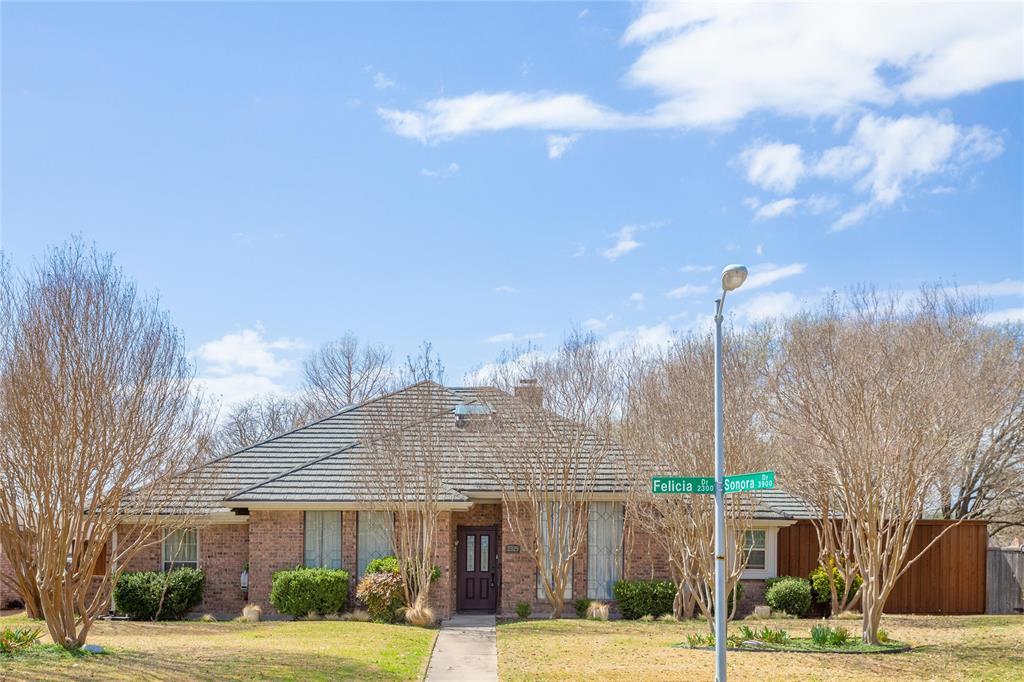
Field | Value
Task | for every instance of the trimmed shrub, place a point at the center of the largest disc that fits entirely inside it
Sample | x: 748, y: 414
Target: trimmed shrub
x: 638, y: 598
x: 153, y: 595
x: 383, y: 595
x: 792, y: 595
x: 581, y: 605
x: 302, y: 591
x: 523, y: 609
x: 819, y: 584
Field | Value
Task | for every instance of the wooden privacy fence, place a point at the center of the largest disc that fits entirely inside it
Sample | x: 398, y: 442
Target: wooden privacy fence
x: 1005, y: 581
x: 949, y: 578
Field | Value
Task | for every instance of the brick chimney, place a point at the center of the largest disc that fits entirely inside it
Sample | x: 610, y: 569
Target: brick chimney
x: 530, y: 392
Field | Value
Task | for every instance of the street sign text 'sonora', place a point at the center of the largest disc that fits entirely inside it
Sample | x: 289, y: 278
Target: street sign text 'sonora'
x: 705, y: 485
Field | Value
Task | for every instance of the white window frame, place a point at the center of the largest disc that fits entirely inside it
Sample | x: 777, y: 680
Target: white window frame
x: 178, y: 564
x: 771, y: 564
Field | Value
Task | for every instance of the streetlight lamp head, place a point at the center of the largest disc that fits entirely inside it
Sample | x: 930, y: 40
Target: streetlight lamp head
x: 733, y: 276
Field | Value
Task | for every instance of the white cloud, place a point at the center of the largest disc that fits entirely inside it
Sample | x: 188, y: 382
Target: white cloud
x: 816, y: 204
x: 776, y: 208
x: 1006, y: 287
x: 382, y: 82
x: 644, y: 337
x: 1004, y: 316
x: 625, y: 240
x: 584, y: 13
x: 711, y: 65
x: 509, y: 337
x: 759, y: 250
x: 559, y: 144
x: 440, y: 173
x: 597, y: 324
x: 506, y: 289
x: 686, y: 290
x: 242, y: 364
x: 637, y: 300
x: 696, y: 268
x: 774, y: 166
x: 769, y: 273
x: 766, y: 306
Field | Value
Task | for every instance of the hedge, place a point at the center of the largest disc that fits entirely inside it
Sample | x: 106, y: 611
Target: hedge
x: 303, y: 591
x: 138, y: 595
x: 639, y: 598
x: 792, y: 595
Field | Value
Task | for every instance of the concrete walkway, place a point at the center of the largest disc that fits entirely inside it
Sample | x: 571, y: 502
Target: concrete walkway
x: 466, y: 651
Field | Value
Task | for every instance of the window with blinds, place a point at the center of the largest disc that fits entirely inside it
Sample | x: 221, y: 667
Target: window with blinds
x: 604, y: 548
x: 323, y: 539
x: 374, y: 537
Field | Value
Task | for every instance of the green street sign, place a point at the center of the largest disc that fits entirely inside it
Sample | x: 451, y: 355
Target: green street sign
x: 703, y: 485
x: 759, y: 480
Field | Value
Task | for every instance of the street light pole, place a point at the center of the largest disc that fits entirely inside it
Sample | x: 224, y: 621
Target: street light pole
x: 732, y: 277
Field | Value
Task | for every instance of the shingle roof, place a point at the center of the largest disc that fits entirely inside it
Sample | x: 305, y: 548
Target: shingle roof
x: 327, y: 462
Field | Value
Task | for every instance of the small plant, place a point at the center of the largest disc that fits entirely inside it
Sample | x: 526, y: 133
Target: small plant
x: 251, y: 613
x: 648, y: 618
x: 420, y: 617
x: 698, y: 639
x: 746, y: 633
x: 523, y: 610
x: 772, y: 635
x: 667, y: 618
x: 208, y: 618
x: 819, y: 584
x: 597, y: 610
x: 840, y: 636
x: 792, y: 595
x: 14, y: 639
x: 313, y: 615
x: 383, y: 595
x: 358, y: 616
x: 581, y: 605
x: 820, y: 634
x: 883, y: 636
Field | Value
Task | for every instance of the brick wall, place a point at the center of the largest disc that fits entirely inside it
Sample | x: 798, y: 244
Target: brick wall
x: 644, y: 559
x: 442, y: 591
x: 7, y: 593
x: 223, y: 553
x: 275, y: 543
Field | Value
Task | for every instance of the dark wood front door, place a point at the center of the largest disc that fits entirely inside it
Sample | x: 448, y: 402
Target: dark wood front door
x: 477, y: 569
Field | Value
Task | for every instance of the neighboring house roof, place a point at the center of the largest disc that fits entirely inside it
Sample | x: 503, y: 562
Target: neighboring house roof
x: 327, y: 462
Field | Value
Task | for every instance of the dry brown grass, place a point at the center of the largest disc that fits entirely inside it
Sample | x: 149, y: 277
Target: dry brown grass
x: 945, y: 648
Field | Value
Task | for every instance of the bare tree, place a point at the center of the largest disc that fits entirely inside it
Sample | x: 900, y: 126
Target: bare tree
x: 97, y: 415
x: 345, y: 372
x: 258, y: 419
x: 411, y: 439
x: 550, y: 448
x: 869, y: 390
x: 668, y: 428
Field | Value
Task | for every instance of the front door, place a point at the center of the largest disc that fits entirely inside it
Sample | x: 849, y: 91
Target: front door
x: 478, y: 569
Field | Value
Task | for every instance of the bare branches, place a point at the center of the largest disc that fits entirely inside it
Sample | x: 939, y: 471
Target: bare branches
x: 97, y: 415
x: 258, y: 419
x: 669, y: 430
x: 550, y: 447
x: 345, y: 372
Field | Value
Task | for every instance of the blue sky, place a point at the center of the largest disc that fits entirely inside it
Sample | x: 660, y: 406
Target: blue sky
x: 485, y: 174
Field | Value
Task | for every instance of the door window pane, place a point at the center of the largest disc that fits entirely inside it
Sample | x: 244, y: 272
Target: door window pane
x: 374, y: 537
x: 485, y: 541
x: 323, y: 539
x: 604, y: 548
x: 470, y: 552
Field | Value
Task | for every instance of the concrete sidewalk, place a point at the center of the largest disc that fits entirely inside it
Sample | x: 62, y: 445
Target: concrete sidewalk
x: 466, y: 650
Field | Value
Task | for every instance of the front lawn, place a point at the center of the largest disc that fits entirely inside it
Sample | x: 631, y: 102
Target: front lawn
x: 944, y: 647
x: 320, y: 650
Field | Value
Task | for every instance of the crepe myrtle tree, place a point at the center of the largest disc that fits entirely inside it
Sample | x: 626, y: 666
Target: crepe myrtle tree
x: 548, y: 448
x: 870, y: 392
x: 668, y: 429
x: 344, y: 372
x: 97, y: 416
x: 411, y: 437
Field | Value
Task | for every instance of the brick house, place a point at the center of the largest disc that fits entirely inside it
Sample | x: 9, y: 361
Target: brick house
x: 296, y: 499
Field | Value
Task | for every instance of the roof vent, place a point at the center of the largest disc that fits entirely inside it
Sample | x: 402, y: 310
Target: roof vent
x: 473, y: 412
